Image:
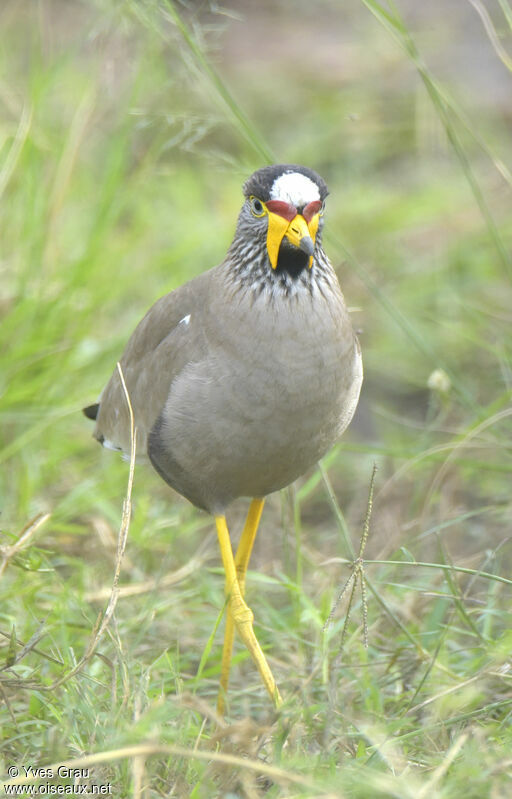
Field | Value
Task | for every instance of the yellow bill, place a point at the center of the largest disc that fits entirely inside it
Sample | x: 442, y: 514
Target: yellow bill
x: 297, y: 231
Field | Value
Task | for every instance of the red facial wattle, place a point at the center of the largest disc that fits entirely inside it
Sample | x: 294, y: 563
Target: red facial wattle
x: 279, y: 207
x: 311, y: 209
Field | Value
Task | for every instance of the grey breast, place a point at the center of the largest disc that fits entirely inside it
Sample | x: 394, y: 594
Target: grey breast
x: 241, y: 394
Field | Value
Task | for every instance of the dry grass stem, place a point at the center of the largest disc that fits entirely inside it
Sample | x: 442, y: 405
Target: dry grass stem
x: 25, y: 537
x: 428, y: 788
x: 103, y: 621
x: 147, y: 586
x: 357, y: 573
x: 146, y: 750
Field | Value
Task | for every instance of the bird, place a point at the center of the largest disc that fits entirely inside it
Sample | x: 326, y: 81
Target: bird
x: 241, y: 379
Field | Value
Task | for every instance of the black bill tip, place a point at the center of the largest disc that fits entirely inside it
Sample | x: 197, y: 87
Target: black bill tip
x: 307, y: 245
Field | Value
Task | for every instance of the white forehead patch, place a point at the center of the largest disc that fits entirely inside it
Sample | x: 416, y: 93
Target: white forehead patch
x: 295, y: 188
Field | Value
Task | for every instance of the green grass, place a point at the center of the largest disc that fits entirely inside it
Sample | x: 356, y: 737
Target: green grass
x: 125, y: 133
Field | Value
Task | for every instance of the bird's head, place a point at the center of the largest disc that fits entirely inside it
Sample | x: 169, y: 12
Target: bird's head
x: 283, y: 206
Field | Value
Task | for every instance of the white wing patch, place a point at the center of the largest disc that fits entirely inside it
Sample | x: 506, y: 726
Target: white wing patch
x: 185, y: 320
x: 295, y: 188
x: 110, y: 445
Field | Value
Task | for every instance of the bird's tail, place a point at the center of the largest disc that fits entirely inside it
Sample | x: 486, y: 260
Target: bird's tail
x: 91, y: 411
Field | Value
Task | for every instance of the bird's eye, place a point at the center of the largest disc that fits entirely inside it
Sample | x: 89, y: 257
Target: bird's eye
x: 257, y: 207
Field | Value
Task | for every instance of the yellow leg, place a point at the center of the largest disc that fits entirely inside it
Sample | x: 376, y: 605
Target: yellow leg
x: 238, y: 612
x: 242, y: 557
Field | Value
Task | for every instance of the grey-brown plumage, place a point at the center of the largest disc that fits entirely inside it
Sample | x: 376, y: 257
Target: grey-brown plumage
x: 241, y: 379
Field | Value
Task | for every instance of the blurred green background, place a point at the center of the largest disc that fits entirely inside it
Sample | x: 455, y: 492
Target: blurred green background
x: 126, y: 130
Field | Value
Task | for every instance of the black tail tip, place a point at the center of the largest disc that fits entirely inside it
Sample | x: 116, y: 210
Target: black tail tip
x: 91, y: 411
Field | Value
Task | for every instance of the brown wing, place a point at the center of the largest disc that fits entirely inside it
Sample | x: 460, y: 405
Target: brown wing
x: 166, y: 339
